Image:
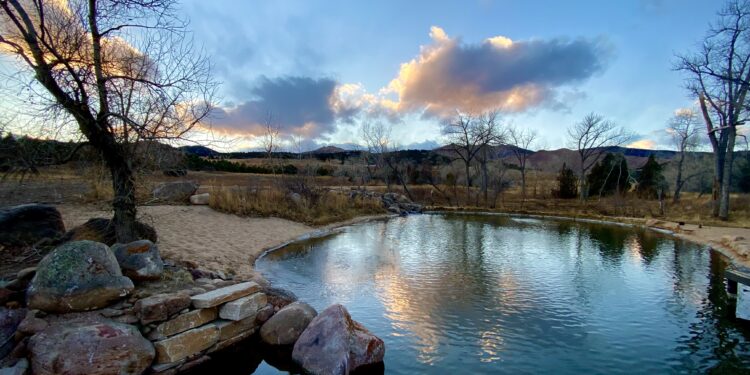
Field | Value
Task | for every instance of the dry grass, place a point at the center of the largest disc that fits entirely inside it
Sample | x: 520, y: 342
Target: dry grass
x: 328, y: 207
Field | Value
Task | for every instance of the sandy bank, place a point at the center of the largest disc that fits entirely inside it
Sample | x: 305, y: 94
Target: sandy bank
x: 213, y: 240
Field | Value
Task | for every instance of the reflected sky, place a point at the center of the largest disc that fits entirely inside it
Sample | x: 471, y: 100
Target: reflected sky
x: 484, y: 293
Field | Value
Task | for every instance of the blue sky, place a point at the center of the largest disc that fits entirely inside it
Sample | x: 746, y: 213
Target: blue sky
x: 319, y: 69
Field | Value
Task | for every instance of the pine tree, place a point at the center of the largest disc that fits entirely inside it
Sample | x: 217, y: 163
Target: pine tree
x: 567, y: 183
x: 651, y: 181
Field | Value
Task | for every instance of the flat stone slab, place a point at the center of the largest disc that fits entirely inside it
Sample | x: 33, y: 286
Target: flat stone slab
x: 229, y: 328
x: 223, y: 295
x: 184, y: 322
x: 185, y: 344
x: 244, y: 307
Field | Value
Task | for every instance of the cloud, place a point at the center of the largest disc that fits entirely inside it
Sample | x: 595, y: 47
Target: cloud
x: 646, y: 144
x: 299, y: 105
x: 497, y: 73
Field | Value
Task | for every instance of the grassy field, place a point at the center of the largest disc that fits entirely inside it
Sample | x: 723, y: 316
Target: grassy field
x: 324, y: 199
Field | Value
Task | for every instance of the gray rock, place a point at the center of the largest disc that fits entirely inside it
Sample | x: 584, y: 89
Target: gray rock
x: 29, y: 223
x: 333, y: 343
x: 285, y: 327
x: 178, y: 191
x: 77, y: 276
x: 200, y: 199
x: 104, y: 347
x: 139, y: 260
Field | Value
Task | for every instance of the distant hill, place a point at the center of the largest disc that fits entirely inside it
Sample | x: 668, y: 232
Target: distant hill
x: 328, y: 150
x: 199, y: 150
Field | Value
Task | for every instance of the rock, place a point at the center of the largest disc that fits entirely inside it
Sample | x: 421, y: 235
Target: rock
x: 32, y: 325
x: 20, y: 368
x: 28, y: 223
x: 102, y: 230
x: 287, y: 325
x: 394, y: 208
x: 77, y: 276
x: 200, y: 199
x: 23, y: 279
x: 229, y: 328
x: 139, y: 260
x: 264, y: 314
x: 10, y: 319
x: 243, y: 307
x: 333, y: 343
x: 223, y: 295
x: 184, y: 322
x: 178, y: 191
x: 295, y: 198
x: 279, y: 297
x: 161, y: 307
x: 185, y: 344
x: 104, y: 347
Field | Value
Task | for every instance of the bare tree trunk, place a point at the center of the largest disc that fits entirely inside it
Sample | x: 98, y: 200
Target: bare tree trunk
x: 718, y: 178
x: 678, y: 181
x: 468, y: 183
x: 726, y: 178
x: 124, y: 203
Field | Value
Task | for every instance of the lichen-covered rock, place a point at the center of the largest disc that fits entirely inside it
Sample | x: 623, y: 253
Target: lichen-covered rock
x: 77, y: 276
x: 285, y: 327
x: 29, y: 223
x: 333, y: 343
x: 139, y: 260
x: 10, y: 319
x: 102, y: 230
x: 223, y: 295
x: 103, y: 347
x: 178, y: 191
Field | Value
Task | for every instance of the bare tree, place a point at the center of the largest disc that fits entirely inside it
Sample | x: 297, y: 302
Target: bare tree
x: 683, y: 129
x: 270, y: 139
x: 521, y: 141
x: 469, y: 138
x: 380, y: 145
x: 591, y: 137
x: 124, y: 71
x: 719, y: 76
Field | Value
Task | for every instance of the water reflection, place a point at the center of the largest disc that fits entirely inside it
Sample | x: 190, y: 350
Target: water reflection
x: 479, y: 293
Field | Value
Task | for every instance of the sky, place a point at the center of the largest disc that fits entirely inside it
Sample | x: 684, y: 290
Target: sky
x: 319, y: 69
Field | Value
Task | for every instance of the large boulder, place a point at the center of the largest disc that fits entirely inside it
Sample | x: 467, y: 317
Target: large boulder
x: 285, y: 327
x: 333, y: 343
x: 104, y: 347
x: 178, y: 191
x: 279, y: 297
x: 102, y: 230
x: 10, y: 319
x: 29, y: 223
x: 139, y: 260
x: 77, y: 276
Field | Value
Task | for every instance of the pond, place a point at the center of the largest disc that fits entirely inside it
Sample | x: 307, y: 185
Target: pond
x: 470, y: 293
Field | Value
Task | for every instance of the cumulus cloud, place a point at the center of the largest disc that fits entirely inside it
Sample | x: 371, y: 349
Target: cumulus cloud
x: 299, y: 105
x: 497, y: 73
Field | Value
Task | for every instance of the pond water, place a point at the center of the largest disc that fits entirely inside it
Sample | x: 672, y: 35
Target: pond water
x: 465, y: 293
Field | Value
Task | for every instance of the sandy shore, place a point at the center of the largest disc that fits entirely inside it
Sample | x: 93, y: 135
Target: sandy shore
x: 215, y: 241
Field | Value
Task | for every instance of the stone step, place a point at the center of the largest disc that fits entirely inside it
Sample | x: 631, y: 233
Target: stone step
x: 184, y: 322
x: 223, y: 295
x: 244, y: 307
x: 185, y: 344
